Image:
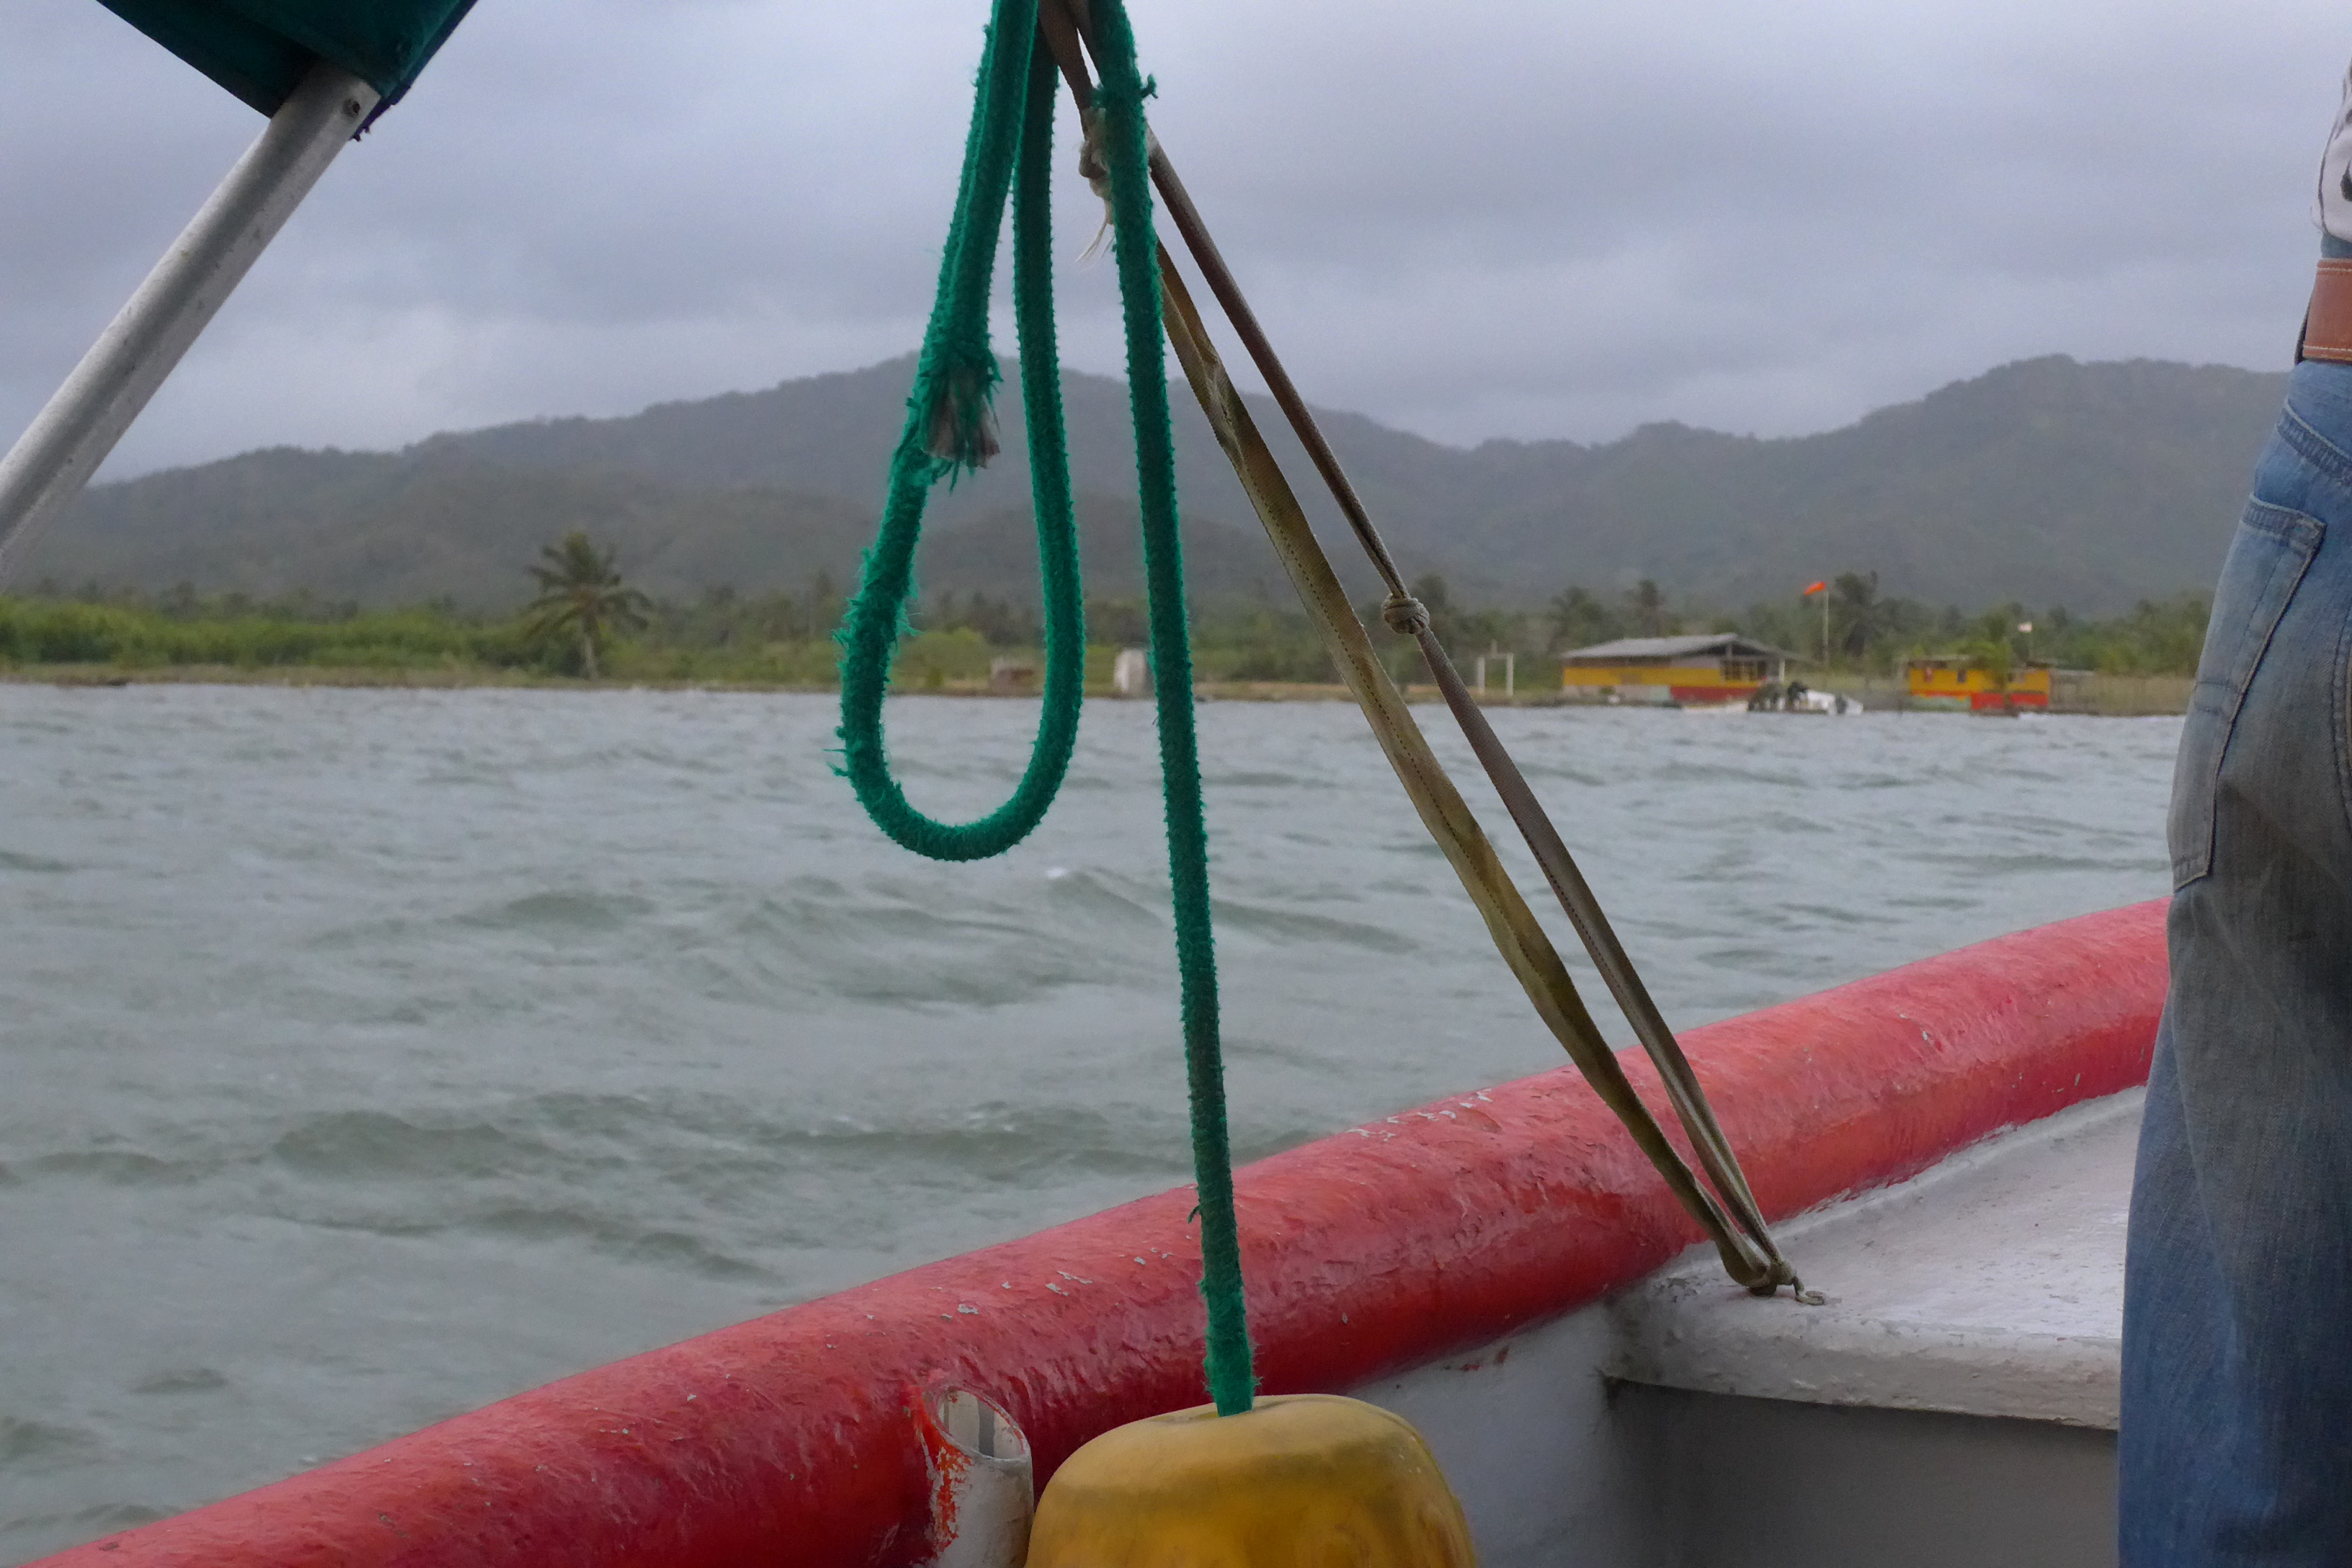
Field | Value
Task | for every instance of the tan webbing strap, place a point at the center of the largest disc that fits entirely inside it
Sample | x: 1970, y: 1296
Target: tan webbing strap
x: 1729, y: 1212
x: 1600, y: 938
x: 1513, y: 926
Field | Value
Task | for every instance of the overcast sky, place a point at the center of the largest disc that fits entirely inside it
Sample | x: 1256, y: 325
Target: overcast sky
x: 1528, y: 217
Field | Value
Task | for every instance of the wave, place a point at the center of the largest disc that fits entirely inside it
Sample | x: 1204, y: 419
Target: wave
x: 1296, y: 926
x: 564, y: 911
x: 181, y: 1380
x: 28, y: 1447
x: 117, y: 1167
x: 13, y: 860
x: 711, y: 1185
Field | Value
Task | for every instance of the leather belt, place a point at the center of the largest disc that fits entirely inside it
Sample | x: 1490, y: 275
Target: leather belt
x: 2328, y: 327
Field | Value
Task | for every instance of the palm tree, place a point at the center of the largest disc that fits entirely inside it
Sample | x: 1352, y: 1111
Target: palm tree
x: 1861, y: 613
x: 1649, y: 606
x: 1577, y: 620
x: 582, y: 595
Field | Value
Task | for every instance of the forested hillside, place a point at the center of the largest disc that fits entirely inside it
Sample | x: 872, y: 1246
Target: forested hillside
x: 2046, y: 481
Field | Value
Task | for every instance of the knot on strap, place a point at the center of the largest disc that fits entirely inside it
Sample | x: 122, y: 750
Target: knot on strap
x: 1783, y: 1272
x: 1097, y: 174
x: 1091, y: 162
x: 1405, y: 614
x: 1094, y: 168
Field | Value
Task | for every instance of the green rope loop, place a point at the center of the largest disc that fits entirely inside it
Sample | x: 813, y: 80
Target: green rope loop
x: 946, y: 428
x: 950, y: 429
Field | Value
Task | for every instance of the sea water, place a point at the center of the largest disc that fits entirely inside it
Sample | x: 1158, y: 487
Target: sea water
x: 372, y: 1055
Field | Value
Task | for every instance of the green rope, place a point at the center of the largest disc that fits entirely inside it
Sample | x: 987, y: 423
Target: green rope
x: 950, y: 429
x: 1126, y: 152
x: 950, y: 368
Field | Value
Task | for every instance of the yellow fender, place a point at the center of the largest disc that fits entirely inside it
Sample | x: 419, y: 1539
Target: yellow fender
x: 1301, y: 1480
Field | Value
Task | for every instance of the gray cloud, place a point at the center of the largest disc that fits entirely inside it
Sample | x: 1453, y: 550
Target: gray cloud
x: 1529, y: 217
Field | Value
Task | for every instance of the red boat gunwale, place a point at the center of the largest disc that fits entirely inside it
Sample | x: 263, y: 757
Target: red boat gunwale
x: 1385, y: 1247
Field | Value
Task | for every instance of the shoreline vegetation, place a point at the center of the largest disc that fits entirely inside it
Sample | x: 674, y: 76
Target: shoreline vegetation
x: 589, y: 630
x: 2116, y: 697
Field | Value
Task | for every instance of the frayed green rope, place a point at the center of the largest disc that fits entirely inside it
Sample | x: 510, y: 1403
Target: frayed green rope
x: 950, y: 429
x: 945, y: 426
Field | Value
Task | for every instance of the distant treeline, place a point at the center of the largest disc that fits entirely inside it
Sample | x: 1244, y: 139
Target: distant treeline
x: 786, y: 637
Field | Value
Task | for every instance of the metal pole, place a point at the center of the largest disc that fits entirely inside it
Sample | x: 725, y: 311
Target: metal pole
x: 72, y: 437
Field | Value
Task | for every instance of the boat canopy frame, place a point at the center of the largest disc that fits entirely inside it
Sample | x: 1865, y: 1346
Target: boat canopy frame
x: 322, y: 70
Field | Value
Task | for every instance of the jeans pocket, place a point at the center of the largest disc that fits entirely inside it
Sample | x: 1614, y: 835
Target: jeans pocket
x: 2266, y: 561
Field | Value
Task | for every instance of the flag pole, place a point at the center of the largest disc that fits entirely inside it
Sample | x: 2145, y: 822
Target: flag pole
x: 72, y: 435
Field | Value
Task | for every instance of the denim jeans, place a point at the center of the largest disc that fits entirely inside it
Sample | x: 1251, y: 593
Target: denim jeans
x: 2237, y: 1360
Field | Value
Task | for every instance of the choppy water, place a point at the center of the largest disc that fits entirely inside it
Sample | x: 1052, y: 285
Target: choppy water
x: 371, y: 1055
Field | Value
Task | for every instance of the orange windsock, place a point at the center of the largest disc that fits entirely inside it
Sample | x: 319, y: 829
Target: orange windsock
x: 1816, y: 588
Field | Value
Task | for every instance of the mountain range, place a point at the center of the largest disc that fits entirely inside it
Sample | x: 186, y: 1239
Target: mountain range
x: 2046, y: 481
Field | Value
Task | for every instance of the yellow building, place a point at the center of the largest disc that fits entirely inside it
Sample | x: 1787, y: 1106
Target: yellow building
x: 1715, y: 668
x: 1955, y: 682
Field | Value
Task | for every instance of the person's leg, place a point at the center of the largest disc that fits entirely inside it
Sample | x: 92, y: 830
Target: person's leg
x: 2237, y: 1382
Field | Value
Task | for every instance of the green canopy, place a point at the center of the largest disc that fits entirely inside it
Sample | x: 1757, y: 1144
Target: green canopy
x: 259, y: 48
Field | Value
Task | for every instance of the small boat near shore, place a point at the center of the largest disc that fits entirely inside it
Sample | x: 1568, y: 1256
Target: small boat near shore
x: 1795, y: 697
x: 1784, y: 697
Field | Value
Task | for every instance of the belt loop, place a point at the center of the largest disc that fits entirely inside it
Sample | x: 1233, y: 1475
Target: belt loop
x: 2327, y: 324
